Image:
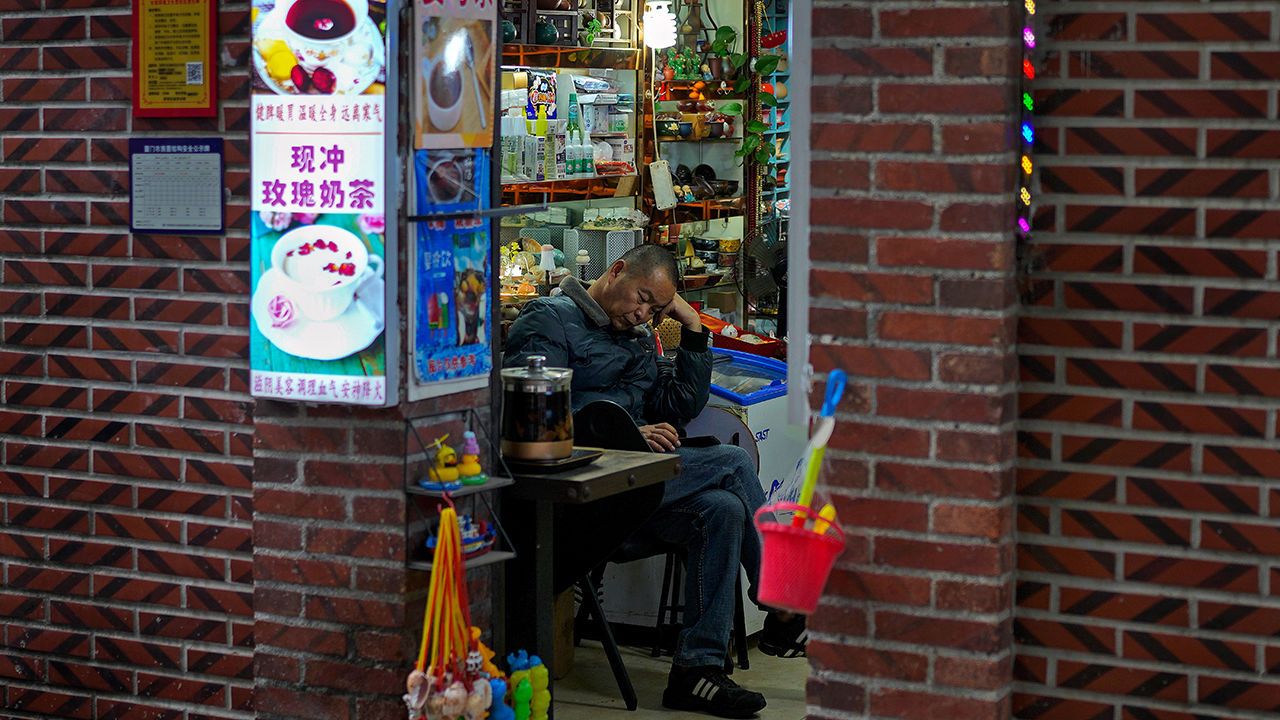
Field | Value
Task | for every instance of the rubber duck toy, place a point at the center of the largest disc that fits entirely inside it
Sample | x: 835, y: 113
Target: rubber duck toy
x: 469, y: 470
x: 443, y: 474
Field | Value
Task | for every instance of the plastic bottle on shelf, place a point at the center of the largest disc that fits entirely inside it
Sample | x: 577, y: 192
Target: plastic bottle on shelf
x: 546, y: 146
x: 514, y: 133
x: 531, y: 169
x: 573, y: 153
x: 587, y: 154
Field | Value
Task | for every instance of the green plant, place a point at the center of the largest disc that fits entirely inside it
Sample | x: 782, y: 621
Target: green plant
x: 754, y: 144
x: 590, y: 29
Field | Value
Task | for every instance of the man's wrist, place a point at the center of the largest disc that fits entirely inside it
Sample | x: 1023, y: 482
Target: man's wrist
x: 695, y: 340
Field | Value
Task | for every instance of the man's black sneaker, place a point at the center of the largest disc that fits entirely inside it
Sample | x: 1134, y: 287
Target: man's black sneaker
x: 709, y: 690
x: 784, y: 639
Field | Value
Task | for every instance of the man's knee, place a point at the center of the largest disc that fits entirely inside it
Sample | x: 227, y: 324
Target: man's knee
x: 722, y: 512
x: 738, y: 458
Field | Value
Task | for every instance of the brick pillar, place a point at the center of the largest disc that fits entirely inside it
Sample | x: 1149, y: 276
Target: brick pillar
x: 912, y: 258
x: 329, y: 562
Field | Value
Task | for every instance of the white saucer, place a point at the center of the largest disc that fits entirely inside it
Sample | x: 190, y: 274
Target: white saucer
x: 347, y: 334
x: 368, y: 44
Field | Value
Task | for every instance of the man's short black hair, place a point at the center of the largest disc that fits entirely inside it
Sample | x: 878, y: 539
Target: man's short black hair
x: 645, y: 259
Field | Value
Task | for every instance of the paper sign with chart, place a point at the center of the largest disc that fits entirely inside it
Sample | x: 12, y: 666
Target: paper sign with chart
x: 454, y: 56
x: 175, y: 185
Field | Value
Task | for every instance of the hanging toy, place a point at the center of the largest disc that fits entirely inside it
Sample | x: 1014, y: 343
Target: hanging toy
x: 455, y: 700
x: 797, y: 560
x: 435, y: 705
x: 479, y: 700
x: 418, y: 688
x: 443, y: 671
x: 487, y: 667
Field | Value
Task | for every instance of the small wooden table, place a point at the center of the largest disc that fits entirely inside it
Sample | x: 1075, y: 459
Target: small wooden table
x: 614, y: 473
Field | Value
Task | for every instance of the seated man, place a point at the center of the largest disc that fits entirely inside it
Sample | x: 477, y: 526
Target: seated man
x: 601, y: 333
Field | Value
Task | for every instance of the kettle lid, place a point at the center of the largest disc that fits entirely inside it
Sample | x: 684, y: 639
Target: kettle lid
x: 536, y: 374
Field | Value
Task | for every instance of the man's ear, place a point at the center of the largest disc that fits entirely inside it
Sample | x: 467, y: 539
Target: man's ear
x: 617, y: 268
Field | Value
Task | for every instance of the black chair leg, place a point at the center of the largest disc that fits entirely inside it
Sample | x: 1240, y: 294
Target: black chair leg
x: 740, y: 628
x: 676, y: 603
x: 610, y: 646
x: 664, y: 606
x: 580, y: 619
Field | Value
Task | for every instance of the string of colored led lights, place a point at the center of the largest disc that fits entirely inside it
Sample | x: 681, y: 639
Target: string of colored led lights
x: 1028, y: 129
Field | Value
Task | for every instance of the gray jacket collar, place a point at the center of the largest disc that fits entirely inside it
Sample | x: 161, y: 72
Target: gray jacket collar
x: 577, y: 292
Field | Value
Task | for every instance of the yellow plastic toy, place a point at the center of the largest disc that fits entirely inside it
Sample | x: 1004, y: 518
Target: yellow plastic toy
x: 487, y: 654
x: 469, y: 470
x: 445, y: 469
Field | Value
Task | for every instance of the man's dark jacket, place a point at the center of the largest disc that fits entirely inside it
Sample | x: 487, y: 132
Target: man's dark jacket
x: 573, y: 332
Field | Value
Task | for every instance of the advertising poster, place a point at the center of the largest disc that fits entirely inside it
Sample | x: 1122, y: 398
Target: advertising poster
x: 318, y: 311
x: 174, y: 74
x: 453, y: 276
x: 454, y: 55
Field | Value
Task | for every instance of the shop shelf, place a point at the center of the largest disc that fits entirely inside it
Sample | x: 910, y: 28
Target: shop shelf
x: 548, y: 191
x: 494, y: 483
x: 489, y: 558
x: 732, y: 202
x: 564, y: 56
x: 703, y: 140
x: 721, y: 284
x: 565, y: 182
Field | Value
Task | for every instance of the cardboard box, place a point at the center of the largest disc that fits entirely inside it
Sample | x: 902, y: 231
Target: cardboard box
x: 726, y: 301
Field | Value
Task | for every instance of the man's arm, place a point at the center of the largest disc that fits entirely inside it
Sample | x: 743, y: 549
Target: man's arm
x: 684, y: 386
x: 537, y: 331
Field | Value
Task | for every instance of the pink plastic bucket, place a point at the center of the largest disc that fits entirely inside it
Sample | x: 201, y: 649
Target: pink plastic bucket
x: 796, y: 560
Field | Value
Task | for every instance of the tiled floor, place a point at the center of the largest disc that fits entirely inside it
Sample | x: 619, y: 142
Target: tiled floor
x: 590, y: 692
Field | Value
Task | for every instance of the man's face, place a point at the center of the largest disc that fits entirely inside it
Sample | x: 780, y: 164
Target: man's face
x: 633, y: 299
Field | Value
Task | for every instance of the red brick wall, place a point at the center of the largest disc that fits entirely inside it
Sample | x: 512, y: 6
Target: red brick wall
x: 329, y: 562
x: 127, y: 432
x: 1147, y: 519
x: 168, y: 549
x: 912, y: 285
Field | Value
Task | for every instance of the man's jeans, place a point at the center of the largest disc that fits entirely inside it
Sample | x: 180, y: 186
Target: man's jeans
x: 708, y: 510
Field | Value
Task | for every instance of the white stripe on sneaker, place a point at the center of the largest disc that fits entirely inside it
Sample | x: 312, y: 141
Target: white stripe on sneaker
x: 697, y: 689
x: 714, y: 689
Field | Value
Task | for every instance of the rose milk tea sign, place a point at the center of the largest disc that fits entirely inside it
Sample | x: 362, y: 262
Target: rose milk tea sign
x: 454, y: 61
x: 320, y: 279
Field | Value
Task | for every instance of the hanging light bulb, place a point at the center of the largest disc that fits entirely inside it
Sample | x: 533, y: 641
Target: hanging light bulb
x: 659, y: 24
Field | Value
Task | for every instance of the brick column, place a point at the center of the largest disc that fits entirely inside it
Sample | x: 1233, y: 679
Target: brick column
x: 329, y: 562
x: 912, y: 285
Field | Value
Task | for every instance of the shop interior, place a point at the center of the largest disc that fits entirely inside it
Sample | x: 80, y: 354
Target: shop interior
x: 620, y: 126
